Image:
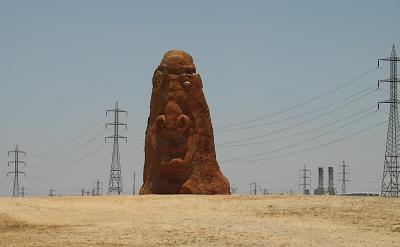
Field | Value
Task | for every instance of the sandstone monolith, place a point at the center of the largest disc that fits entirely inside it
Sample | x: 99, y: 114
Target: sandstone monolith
x: 179, y: 147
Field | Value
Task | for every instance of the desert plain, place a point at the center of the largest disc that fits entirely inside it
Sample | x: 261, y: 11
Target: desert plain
x: 192, y: 220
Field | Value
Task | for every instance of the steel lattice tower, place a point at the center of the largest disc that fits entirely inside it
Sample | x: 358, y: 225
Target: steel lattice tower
x: 344, y: 172
x: 16, y: 171
x: 115, y: 183
x: 391, y: 169
x: 305, y: 180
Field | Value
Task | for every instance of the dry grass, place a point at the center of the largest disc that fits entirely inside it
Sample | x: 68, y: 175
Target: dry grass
x: 200, y: 221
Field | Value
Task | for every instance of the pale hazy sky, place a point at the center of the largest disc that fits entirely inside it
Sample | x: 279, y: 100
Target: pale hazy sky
x: 63, y: 63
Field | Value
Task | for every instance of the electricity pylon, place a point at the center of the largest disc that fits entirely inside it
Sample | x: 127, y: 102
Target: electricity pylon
x: 391, y: 169
x: 115, y: 183
x: 343, y: 174
x: 305, y: 180
x: 16, y: 171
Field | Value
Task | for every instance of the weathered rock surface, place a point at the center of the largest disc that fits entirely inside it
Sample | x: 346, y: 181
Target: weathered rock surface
x: 179, y: 148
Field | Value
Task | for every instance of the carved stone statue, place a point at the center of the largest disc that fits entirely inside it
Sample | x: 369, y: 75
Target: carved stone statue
x: 179, y: 149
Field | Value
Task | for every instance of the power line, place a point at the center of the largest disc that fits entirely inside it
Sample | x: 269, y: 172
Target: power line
x: 284, y: 92
x: 300, y: 104
x: 96, y: 162
x: 300, y: 133
x: 304, y: 141
x: 367, y: 90
x: 74, y: 162
x: 52, y: 162
x: 310, y: 148
x: 70, y: 141
x: 72, y: 150
x: 297, y: 124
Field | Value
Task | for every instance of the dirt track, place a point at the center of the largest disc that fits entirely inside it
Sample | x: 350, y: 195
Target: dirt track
x: 200, y: 221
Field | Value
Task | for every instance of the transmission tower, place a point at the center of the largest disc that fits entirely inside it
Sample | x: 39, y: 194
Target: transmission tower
x: 97, y: 188
x: 391, y: 169
x: 343, y: 174
x: 115, y: 183
x: 254, y: 187
x: 16, y: 171
x: 51, y: 192
x: 305, y: 180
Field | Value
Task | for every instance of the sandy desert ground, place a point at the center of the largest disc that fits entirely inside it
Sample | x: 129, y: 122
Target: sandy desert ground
x: 183, y: 220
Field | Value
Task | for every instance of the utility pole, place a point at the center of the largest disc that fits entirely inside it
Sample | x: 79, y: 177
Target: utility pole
x: 134, y: 184
x: 305, y: 180
x: 343, y: 174
x: 51, y: 192
x: 255, y: 188
x: 16, y: 171
x: 391, y: 168
x: 98, y: 188
x: 115, y: 183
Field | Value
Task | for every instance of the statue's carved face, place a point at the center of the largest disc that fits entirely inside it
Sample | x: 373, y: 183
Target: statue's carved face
x: 180, y: 155
x: 173, y: 126
x: 172, y: 129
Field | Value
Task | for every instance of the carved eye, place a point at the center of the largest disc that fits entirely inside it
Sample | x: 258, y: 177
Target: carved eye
x: 160, y: 121
x: 186, y: 83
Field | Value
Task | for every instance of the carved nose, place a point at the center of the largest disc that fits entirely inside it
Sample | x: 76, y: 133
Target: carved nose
x: 183, y: 122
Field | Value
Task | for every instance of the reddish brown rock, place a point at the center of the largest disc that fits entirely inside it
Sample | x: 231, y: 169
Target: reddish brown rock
x: 179, y: 149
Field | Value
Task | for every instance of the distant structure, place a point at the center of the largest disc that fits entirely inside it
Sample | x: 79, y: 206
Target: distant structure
x: 254, y: 187
x: 115, y: 183
x: 51, y: 192
x: 134, y: 184
x: 331, y: 187
x: 97, y: 188
x: 179, y: 148
x: 234, y: 189
x: 265, y: 192
x: 305, y: 180
x: 391, y: 169
x: 320, y: 190
x: 16, y: 171
x: 343, y: 174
